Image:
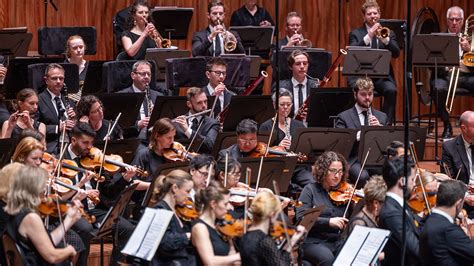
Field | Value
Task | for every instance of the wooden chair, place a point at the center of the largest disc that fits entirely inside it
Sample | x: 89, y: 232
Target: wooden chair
x: 12, y: 252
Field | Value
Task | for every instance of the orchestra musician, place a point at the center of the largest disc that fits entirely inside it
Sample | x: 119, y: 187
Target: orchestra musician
x: 28, y: 151
x: 259, y: 247
x: 362, y: 114
x: 216, y: 72
x: 55, y: 110
x: 202, y: 128
x: 250, y: 14
x: 199, y: 170
x: 391, y: 217
x: 293, y: 30
x: 174, y: 188
x: 246, y: 140
x: 137, y: 39
x: 325, y: 238
x: 234, y: 173
x: 210, y: 41
x: 75, y: 51
x: 367, y: 36
x: 458, y: 154
x: 395, y: 149
x: 24, y: 117
x: 210, y: 245
x: 91, y: 110
x: 442, y: 242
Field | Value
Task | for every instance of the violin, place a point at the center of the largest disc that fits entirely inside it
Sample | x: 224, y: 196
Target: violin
x: 275, y: 151
x: 341, y: 194
x: 65, y: 185
x: 279, y: 233
x: 239, y: 194
x: 187, y: 211
x: 423, y: 195
x: 177, y: 153
x: 69, y: 168
x: 230, y: 227
x: 112, y: 163
x: 53, y: 206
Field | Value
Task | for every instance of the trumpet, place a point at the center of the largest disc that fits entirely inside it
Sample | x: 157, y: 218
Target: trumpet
x: 230, y: 42
x: 159, y: 40
x: 304, y: 42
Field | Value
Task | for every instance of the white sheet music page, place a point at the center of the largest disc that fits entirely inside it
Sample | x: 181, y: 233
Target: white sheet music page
x: 148, y: 234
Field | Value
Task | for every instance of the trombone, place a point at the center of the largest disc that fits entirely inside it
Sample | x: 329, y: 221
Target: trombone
x: 453, y: 84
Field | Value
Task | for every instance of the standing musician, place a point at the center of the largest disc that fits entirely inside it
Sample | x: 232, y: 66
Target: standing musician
x: 174, y: 189
x: 454, y: 20
x: 211, y: 40
x: 299, y: 85
x: 293, y: 31
x: 390, y: 217
x: 458, y: 154
x: 137, y: 39
x: 259, y: 247
x: 216, y: 71
x: 202, y: 128
x: 211, y: 247
x: 250, y: 14
x: 362, y: 114
x: 91, y: 110
x: 367, y: 35
x: 442, y: 242
x: 200, y: 171
x: 55, y: 111
x: 325, y: 238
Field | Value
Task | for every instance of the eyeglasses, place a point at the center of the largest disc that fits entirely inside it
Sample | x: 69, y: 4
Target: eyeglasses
x: 203, y: 173
x: 143, y: 74
x: 218, y: 73
x: 248, y: 141
x: 335, y: 171
x: 455, y: 19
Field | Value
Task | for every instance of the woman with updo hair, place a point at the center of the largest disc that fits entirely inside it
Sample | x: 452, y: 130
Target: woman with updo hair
x: 174, y: 189
x: 91, y: 110
x: 210, y: 246
x: 258, y: 247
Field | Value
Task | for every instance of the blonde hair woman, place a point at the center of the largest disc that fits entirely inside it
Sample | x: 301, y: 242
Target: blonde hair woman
x: 29, y: 151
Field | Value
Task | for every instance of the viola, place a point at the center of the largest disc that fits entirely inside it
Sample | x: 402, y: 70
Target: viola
x: 230, y: 227
x: 69, y: 168
x: 342, y: 194
x: 279, y: 233
x: 275, y: 151
x: 187, y: 211
x: 66, y: 185
x: 177, y: 153
x: 112, y: 163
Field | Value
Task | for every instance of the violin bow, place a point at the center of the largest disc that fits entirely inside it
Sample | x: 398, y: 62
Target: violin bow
x: 211, y: 166
x: 266, y: 151
x: 277, y: 192
x: 248, y: 173
x: 226, y: 168
x: 103, y: 156
x: 418, y: 176
x: 356, y: 182
x: 113, y: 126
x: 193, y: 138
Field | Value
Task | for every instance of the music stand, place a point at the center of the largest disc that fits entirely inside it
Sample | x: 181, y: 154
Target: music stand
x: 226, y: 139
x: 160, y: 55
x: 7, y: 146
x: 36, y: 76
x: 172, y: 22
x: 319, y: 62
x: 255, y: 39
x: 398, y: 26
x: 363, y: 61
x: 326, y: 104
x: 256, y: 107
x: 378, y: 138
x: 93, y: 79
x: 123, y: 147
x: 273, y: 168
x: 52, y: 40
x: 315, y: 141
x: 15, y: 43
x: 114, y: 104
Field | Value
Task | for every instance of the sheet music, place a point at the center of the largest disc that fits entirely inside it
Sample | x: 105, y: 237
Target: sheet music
x: 363, y: 246
x: 148, y: 234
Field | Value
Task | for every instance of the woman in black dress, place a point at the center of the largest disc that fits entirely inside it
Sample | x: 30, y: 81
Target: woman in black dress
x: 210, y: 245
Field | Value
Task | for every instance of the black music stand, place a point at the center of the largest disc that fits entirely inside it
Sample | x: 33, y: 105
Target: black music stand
x: 326, y: 104
x: 398, y: 26
x: 168, y: 106
x: 255, y: 39
x: 185, y: 72
x: 319, y: 62
x: 315, y: 141
x: 273, y: 168
x: 36, y: 76
x: 123, y: 147
x: 52, y: 40
x: 114, y: 104
x: 435, y: 50
x: 7, y: 146
x: 257, y: 107
x: 238, y: 69
x: 159, y: 55
x: 367, y: 62
x: 93, y: 79
x: 15, y: 43
x: 172, y: 22
x: 378, y: 138
x: 225, y: 139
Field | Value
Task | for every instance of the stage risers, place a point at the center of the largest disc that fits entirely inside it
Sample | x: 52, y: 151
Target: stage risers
x: 94, y: 255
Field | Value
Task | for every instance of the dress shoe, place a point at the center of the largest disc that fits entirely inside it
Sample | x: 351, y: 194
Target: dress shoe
x: 447, y: 132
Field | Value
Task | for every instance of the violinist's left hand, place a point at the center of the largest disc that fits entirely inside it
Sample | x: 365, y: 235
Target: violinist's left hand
x: 469, y: 200
x: 129, y: 173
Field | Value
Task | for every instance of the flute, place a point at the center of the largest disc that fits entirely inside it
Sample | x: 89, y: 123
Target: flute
x: 195, y: 114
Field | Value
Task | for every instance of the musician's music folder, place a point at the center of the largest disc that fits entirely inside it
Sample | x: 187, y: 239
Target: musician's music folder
x: 148, y: 234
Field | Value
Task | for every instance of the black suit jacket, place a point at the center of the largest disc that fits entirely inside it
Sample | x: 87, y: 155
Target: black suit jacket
x: 444, y: 243
x: 390, y: 218
x: 233, y: 152
x: 227, y: 98
x: 207, y: 133
x: 455, y: 157
x: 203, y: 47
x: 287, y: 84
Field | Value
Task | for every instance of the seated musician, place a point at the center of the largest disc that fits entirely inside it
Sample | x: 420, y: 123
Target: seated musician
x: 201, y: 128
x: 200, y: 171
x: 26, y: 115
x: 299, y: 84
x: 454, y: 21
x: 325, y: 238
x: 216, y: 71
x: 3, y: 70
x: 458, y: 157
x: 75, y: 51
x: 367, y: 36
x: 211, y: 40
x: 390, y: 217
x: 259, y: 247
x: 442, y: 242
x: 28, y: 151
x: 362, y: 114
x: 138, y: 38
x: 141, y: 77
x: 293, y: 31
x: 55, y: 111
x: 91, y: 110
x: 174, y: 188
x: 250, y: 14
x: 211, y: 246
x: 246, y: 140
x: 286, y: 128
x: 395, y: 149
x: 26, y: 227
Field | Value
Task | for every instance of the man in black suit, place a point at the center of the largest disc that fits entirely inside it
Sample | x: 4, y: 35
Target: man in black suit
x: 458, y: 154
x: 442, y: 242
x: 141, y: 77
x: 54, y: 110
x: 211, y: 40
x: 299, y: 84
x: 391, y: 215
x: 204, y: 126
x: 293, y: 31
x: 216, y: 72
x: 367, y: 36
x: 362, y: 114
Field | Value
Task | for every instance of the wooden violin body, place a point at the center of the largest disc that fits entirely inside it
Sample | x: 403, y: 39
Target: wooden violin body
x: 111, y: 163
x: 187, y: 211
x: 178, y: 153
x: 342, y: 194
x: 275, y: 151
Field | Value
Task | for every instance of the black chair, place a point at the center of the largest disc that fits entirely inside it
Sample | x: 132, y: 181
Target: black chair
x: 119, y: 25
x: 116, y: 75
x: 13, y: 253
x: 52, y: 40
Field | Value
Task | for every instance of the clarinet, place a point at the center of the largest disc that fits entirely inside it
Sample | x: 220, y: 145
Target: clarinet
x: 148, y: 100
